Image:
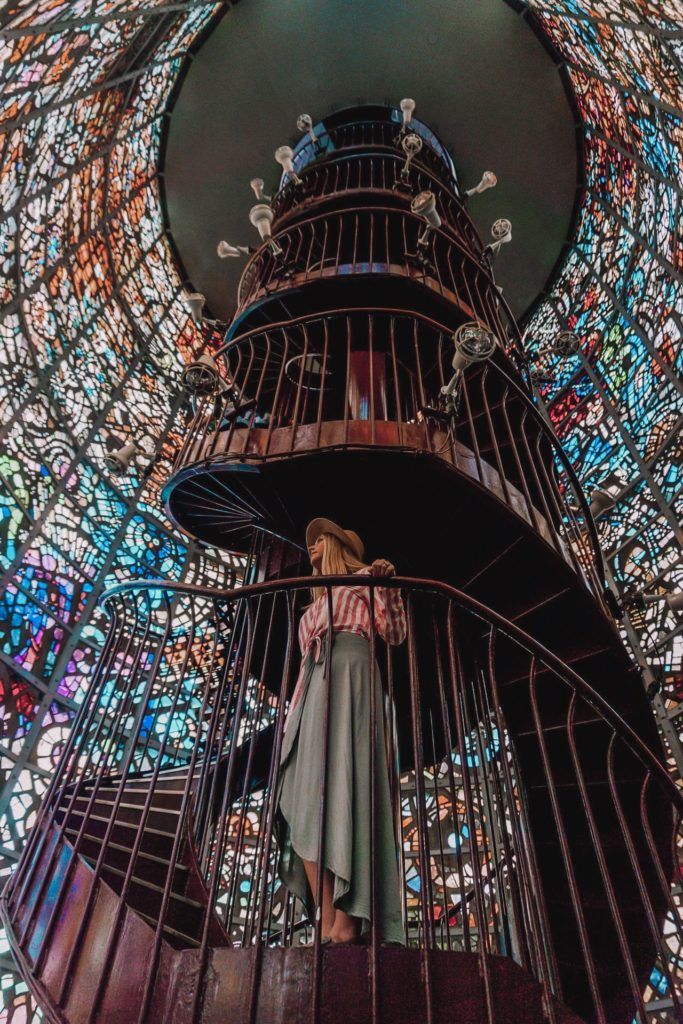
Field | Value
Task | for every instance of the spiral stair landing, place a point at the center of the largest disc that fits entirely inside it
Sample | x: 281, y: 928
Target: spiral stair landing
x: 68, y: 989
x: 103, y: 942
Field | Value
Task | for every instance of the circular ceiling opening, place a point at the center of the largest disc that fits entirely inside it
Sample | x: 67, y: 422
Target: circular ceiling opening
x: 481, y: 78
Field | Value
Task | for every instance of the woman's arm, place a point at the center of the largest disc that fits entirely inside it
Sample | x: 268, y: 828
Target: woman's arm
x: 390, y: 616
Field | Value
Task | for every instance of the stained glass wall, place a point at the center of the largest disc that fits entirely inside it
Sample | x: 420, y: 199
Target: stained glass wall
x: 93, y: 334
x: 617, y: 404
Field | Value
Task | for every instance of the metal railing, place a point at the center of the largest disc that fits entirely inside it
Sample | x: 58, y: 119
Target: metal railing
x: 357, y: 377
x: 531, y: 821
x: 346, y: 174
x: 373, y: 240
x: 372, y: 134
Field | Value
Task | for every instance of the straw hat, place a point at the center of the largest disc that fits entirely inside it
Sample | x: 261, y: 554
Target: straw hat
x: 348, y: 537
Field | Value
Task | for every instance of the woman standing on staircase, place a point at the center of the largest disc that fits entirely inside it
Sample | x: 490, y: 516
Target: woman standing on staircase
x: 346, y: 902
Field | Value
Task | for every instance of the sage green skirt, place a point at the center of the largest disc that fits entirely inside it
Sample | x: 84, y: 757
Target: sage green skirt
x: 347, y: 852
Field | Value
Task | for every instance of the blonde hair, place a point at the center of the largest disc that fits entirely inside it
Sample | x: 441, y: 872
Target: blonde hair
x: 338, y: 559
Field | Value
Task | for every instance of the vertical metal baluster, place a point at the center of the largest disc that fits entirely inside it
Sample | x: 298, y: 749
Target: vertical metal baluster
x: 467, y: 265
x: 473, y: 432
x: 531, y: 510
x: 500, y: 862
x: 371, y: 355
x: 182, y: 828
x: 551, y: 532
x: 492, y: 435
x: 423, y: 839
x: 457, y: 677
x: 321, y: 400
x: 535, y: 899
x: 598, y: 849
x: 94, y: 746
x: 241, y: 678
x: 339, y: 222
x: 577, y: 906
x: 634, y: 860
x: 207, y: 783
x: 442, y: 860
x: 297, y: 400
x: 485, y: 902
x: 448, y: 732
x: 74, y: 953
x: 439, y: 244
x: 374, y: 900
x: 420, y: 383
x: 260, y: 865
x: 234, y: 838
x: 394, y: 364
x: 274, y: 773
x: 238, y: 843
x: 115, y: 933
x: 556, y: 503
x: 395, y: 783
x: 505, y: 802
x: 316, y: 977
x: 276, y: 411
x: 234, y: 678
x: 17, y: 885
x: 347, y: 382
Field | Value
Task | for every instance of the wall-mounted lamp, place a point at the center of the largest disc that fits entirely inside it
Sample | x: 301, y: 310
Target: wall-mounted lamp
x: 424, y: 206
x: 261, y: 217
x: 194, y: 303
x: 227, y: 251
x: 411, y: 145
x: 488, y: 180
x: 501, y: 233
x: 284, y: 155
x: 640, y: 599
x: 120, y: 461
x: 601, y: 501
x: 407, y: 107
x: 304, y: 123
x: 201, y: 377
x: 565, y: 343
x: 473, y: 343
x: 257, y: 187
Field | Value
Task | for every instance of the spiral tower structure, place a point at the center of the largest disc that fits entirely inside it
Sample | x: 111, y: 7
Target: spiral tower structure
x: 373, y: 374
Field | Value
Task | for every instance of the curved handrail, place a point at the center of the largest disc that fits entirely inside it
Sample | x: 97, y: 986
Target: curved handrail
x: 471, y: 604
x: 276, y: 325
x: 448, y: 236
x: 349, y: 153
x: 386, y: 127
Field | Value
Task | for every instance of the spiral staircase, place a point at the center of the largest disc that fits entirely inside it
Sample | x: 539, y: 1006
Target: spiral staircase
x: 538, y: 819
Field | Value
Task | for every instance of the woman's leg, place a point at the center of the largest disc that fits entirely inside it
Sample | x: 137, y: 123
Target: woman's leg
x: 328, y: 910
x: 336, y: 925
x: 345, y: 928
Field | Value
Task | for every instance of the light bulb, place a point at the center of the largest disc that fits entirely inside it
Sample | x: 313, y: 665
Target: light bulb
x: 407, y: 107
x: 283, y: 155
x: 488, y: 180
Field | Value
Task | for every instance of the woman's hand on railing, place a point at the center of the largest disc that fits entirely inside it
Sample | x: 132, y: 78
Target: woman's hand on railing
x: 381, y: 567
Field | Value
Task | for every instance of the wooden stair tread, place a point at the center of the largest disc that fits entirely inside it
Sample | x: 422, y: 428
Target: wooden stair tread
x: 117, y: 823
x: 168, y: 929
x: 126, y: 849
x: 153, y: 887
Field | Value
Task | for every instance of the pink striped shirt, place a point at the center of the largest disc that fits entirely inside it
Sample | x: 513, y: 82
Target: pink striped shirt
x: 350, y: 614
